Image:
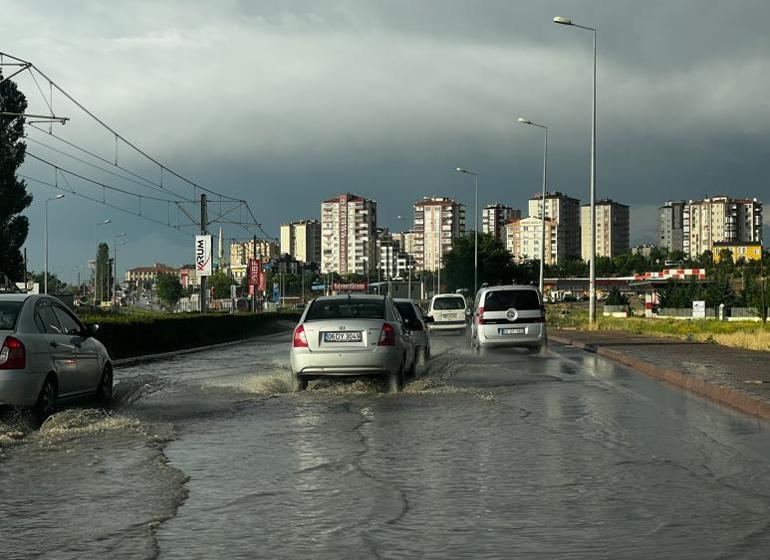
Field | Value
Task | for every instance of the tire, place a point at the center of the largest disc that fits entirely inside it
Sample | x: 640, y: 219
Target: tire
x: 413, y: 368
x: 46, y: 400
x: 535, y: 349
x: 301, y: 383
x: 396, y: 380
x: 104, y: 391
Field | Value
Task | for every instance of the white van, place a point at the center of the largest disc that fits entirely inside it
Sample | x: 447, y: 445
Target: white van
x: 448, y: 312
x: 508, y: 316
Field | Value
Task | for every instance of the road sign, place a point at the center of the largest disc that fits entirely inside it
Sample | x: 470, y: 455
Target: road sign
x: 203, y: 255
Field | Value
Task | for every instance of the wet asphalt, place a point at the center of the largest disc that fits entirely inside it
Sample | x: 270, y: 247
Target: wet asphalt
x: 507, y: 455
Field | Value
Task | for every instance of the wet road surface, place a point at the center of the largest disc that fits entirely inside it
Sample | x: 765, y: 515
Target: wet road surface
x: 213, y: 455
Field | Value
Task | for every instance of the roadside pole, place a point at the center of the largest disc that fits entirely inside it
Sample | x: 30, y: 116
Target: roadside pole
x: 254, y: 295
x: 204, y: 231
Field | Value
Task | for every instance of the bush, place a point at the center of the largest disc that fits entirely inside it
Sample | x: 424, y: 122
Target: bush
x: 616, y: 298
x: 140, y: 334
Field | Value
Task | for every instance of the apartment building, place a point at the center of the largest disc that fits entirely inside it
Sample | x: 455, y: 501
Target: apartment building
x: 389, y: 254
x: 671, y: 225
x: 720, y: 219
x: 565, y: 213
x: 612, y: 229
x: 302, y: 240
x: 348, y: 235
x: 242, y: 251
x: 437, y: 221
x: 148, y: 274
x: 495, y: 216
x: 523, y: 237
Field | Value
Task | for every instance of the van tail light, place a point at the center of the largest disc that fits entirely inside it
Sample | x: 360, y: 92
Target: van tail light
x: 300, y: 339
x: 481, y: 315
x: 387, y: 335
x: 12, y: 354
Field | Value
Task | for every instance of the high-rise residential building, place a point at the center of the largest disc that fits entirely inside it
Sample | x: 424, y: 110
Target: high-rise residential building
x: 612, y: 229
x: 720, y: 219
x: 407, y: 240
x: 437, y: 221
x: 565, y: 212
x: 389, y: 252
x: 242, y: 251
x: 671, y: 225
x: 302, y: 240
x: 523, y: 238
x: 348, y: 235
x: 494, y: 217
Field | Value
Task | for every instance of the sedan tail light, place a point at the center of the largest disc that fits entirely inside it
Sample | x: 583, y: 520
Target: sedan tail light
x: 481, y: 315
x: 300, y: 340
x: 387, y: 335
x: 12, y: 354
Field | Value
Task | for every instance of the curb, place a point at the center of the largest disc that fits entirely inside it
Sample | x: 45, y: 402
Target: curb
x: 726, y: 396
x: 135, y: 360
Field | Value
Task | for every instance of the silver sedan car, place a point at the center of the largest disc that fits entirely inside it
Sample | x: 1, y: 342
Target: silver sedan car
x: 46, y: 353
x: 352, y: 335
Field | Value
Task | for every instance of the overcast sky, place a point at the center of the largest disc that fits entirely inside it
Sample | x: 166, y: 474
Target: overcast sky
x: 287, y: 103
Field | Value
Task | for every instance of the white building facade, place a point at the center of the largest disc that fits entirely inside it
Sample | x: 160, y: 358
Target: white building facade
x: 348, y: 235
x: 437, y: 221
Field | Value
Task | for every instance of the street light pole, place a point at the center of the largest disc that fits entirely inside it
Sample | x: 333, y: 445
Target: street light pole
x: 542, y: 202
x: 592, y: 264
x: 475, y: 230
x: 45, y: 272
x: 115, y: 268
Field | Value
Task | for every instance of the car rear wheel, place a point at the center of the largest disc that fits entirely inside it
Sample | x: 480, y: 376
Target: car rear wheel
x: 301, y: 383
x: 104, y: 391
x: 396, y: 380
x: 46, y: 401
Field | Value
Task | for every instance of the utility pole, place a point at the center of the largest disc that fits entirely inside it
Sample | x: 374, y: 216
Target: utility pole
x: 254, y: 256
x: 204, y: 231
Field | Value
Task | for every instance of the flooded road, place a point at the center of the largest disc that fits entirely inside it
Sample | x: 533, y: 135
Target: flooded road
x: 212, y: 455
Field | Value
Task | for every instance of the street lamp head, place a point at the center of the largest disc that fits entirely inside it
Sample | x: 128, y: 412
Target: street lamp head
x: 460, y: 170
x: 107, y: 221
x: 562, y: 20
x: 59, y: 196
x: 524, y: 121
x: 121, y: 235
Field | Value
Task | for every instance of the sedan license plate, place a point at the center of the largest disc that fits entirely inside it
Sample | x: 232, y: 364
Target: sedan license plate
x: 511, y: 331
x: 345, y: 336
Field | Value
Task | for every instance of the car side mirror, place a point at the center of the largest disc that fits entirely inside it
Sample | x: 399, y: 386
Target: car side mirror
x: 91, y: 330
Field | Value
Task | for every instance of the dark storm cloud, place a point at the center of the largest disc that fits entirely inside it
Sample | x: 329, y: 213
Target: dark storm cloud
x: 286, y: 103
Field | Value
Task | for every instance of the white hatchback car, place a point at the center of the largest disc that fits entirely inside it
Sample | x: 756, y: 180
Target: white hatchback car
x: 448, y: 312
x: 508, y: 316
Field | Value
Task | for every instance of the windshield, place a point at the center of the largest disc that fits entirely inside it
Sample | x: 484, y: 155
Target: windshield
x: 502, y: 300
x: 449, y: 302
x: 358, y: 308
x: 9, y: 311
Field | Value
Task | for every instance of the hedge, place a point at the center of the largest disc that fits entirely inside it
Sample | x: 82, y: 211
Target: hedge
x: 154, y: 333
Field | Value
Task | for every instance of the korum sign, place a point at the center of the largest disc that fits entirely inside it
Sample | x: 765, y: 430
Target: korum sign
x: 203, y: 255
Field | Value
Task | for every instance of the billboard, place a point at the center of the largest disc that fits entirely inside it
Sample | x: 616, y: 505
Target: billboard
x: 350, y: 287
x: 203, y: 255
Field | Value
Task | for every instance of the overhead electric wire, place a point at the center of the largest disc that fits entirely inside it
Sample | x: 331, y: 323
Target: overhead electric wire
x: 81, y: 195
x: 30, y: 67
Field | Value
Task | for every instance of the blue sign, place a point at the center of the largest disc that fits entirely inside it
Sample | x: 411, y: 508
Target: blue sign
x: 276, y: 292
x: 318, y: 287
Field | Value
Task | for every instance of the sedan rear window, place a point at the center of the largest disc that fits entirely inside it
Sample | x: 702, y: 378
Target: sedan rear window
x: 9, y: 312
x: 502, y: 300
x: 448, y: 303
x: 346, y: 309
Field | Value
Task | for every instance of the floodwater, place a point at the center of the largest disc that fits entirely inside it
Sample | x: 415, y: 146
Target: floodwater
x: 213, y: 455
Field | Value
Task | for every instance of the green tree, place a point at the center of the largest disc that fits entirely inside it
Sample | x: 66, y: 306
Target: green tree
x: 168, y: 288
x: 14, y: 198
x: 495, y: 264
x: 103, y: 273
x: 220, y: 283
x: 55, y: 286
